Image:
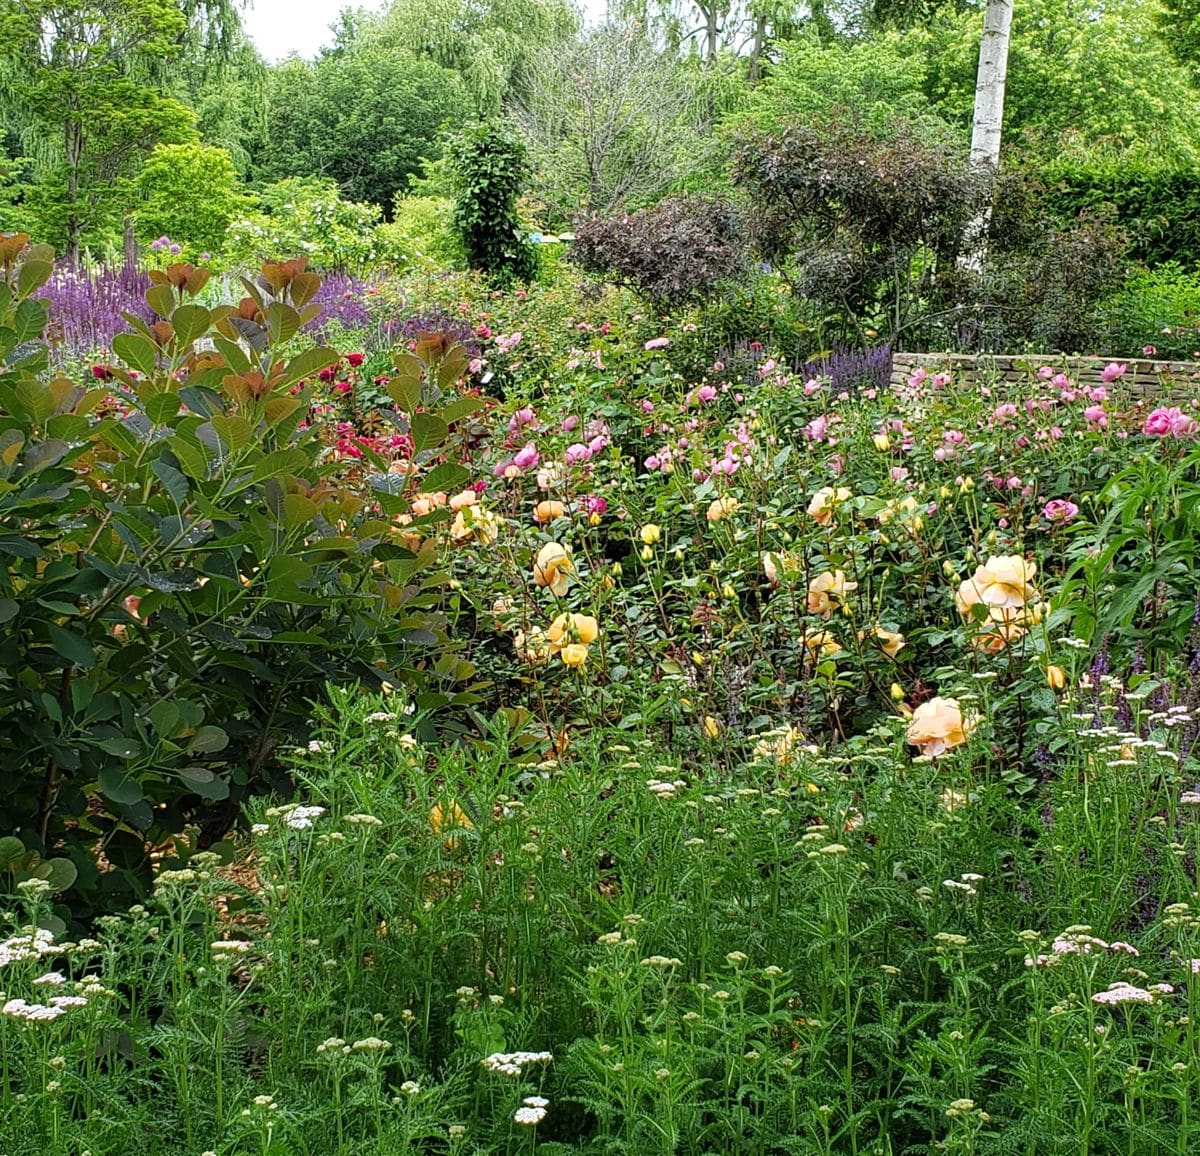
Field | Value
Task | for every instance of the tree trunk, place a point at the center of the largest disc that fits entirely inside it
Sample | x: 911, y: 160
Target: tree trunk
x: 74, y: 157
x: 131, y: 245
x: 760, y: 41
x: 989, y: 85
x: 988, y: 122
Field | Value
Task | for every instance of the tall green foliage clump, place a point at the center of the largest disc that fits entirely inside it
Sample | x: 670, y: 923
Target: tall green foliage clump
x: 490, y: 167
x: 187, y: 564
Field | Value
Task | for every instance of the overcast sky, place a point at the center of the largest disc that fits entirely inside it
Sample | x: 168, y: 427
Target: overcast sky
x: 280, y: 27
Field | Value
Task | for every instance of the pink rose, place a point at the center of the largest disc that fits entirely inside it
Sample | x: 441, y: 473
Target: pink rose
x: 1060, y: 510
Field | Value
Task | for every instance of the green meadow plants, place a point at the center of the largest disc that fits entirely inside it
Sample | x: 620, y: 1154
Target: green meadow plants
x: 778, y: 950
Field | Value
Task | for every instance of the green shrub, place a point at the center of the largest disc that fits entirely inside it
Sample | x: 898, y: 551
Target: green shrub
x: 189, y: 192
x: 1158, y: 206
x: 1159, y: 308
x: 490, y: 169
x: 307, y: 215
x: 189, y: 562
x: 421, y: 232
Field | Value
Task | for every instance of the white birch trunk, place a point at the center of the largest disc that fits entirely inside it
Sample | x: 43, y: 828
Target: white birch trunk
x: 988, y: 122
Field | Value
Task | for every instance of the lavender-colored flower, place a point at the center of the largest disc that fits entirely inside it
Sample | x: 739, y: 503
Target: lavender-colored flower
x: 87, y: 308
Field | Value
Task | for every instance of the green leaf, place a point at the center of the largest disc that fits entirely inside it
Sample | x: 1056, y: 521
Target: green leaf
x: 122, y: 747
x: 19, y: 547
x: 190, y: 457
x: 283, y: 322
x: 235, y: 432
x: 207, y: 740
x: 233, y: 353
x: 34, y: 274
x: 190, y: 322
x: 136, y: 351
x: 71, y: 646
x: 165, y: 718
x: 29, y: 319
x: 11, y: 850
x: 428, y: 432
x: 161, y: 299
x: 297, y: 510
x: 9, y: 608
x: 205, y: 783
x: 289, y: 461
x: 59, y: 873
x: 162, y: 407
x: 447, y: 476
x: 118, y: 785
x: 36, y: 399
x: 405, y: 391
x: 175, y: 483
x: 459, y: 408
x: 308, y: 364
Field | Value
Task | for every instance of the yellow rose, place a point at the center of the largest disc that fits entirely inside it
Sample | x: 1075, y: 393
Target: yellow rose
x: 475, y: 522
x: 938, y: 726
x: 462, y: 500
x: 1001, y: 583
x: 825, y: 501
x: 882, y: 442
x: 568, y: 628
x: 827, y: 591
x: 822, y: 644
x: 1056, y: 677
x: 650, y: 533
x: 776, y: 564
x: 532, y: 647
x: 891, y: 642
x: 547, y: 511
x: 574, y: 654
x: 721, y: 508
x: 711, y: 727
x: 424, y: 504
x: 552, y: 568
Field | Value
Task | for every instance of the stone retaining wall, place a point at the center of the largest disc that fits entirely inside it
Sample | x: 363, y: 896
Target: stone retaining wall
x: 1144, y: 377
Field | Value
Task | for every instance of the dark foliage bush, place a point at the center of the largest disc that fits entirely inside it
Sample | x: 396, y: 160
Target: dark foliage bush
x: 871, y: 228
x: 684, y: 249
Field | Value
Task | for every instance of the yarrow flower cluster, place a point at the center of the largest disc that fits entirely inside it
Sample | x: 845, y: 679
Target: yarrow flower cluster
x: 514, y: 1063
x: 532, y: 1111
x: 295, y: 816
x: 34, y: 1012
x: 1127, y: 993
x: 20, y: 948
